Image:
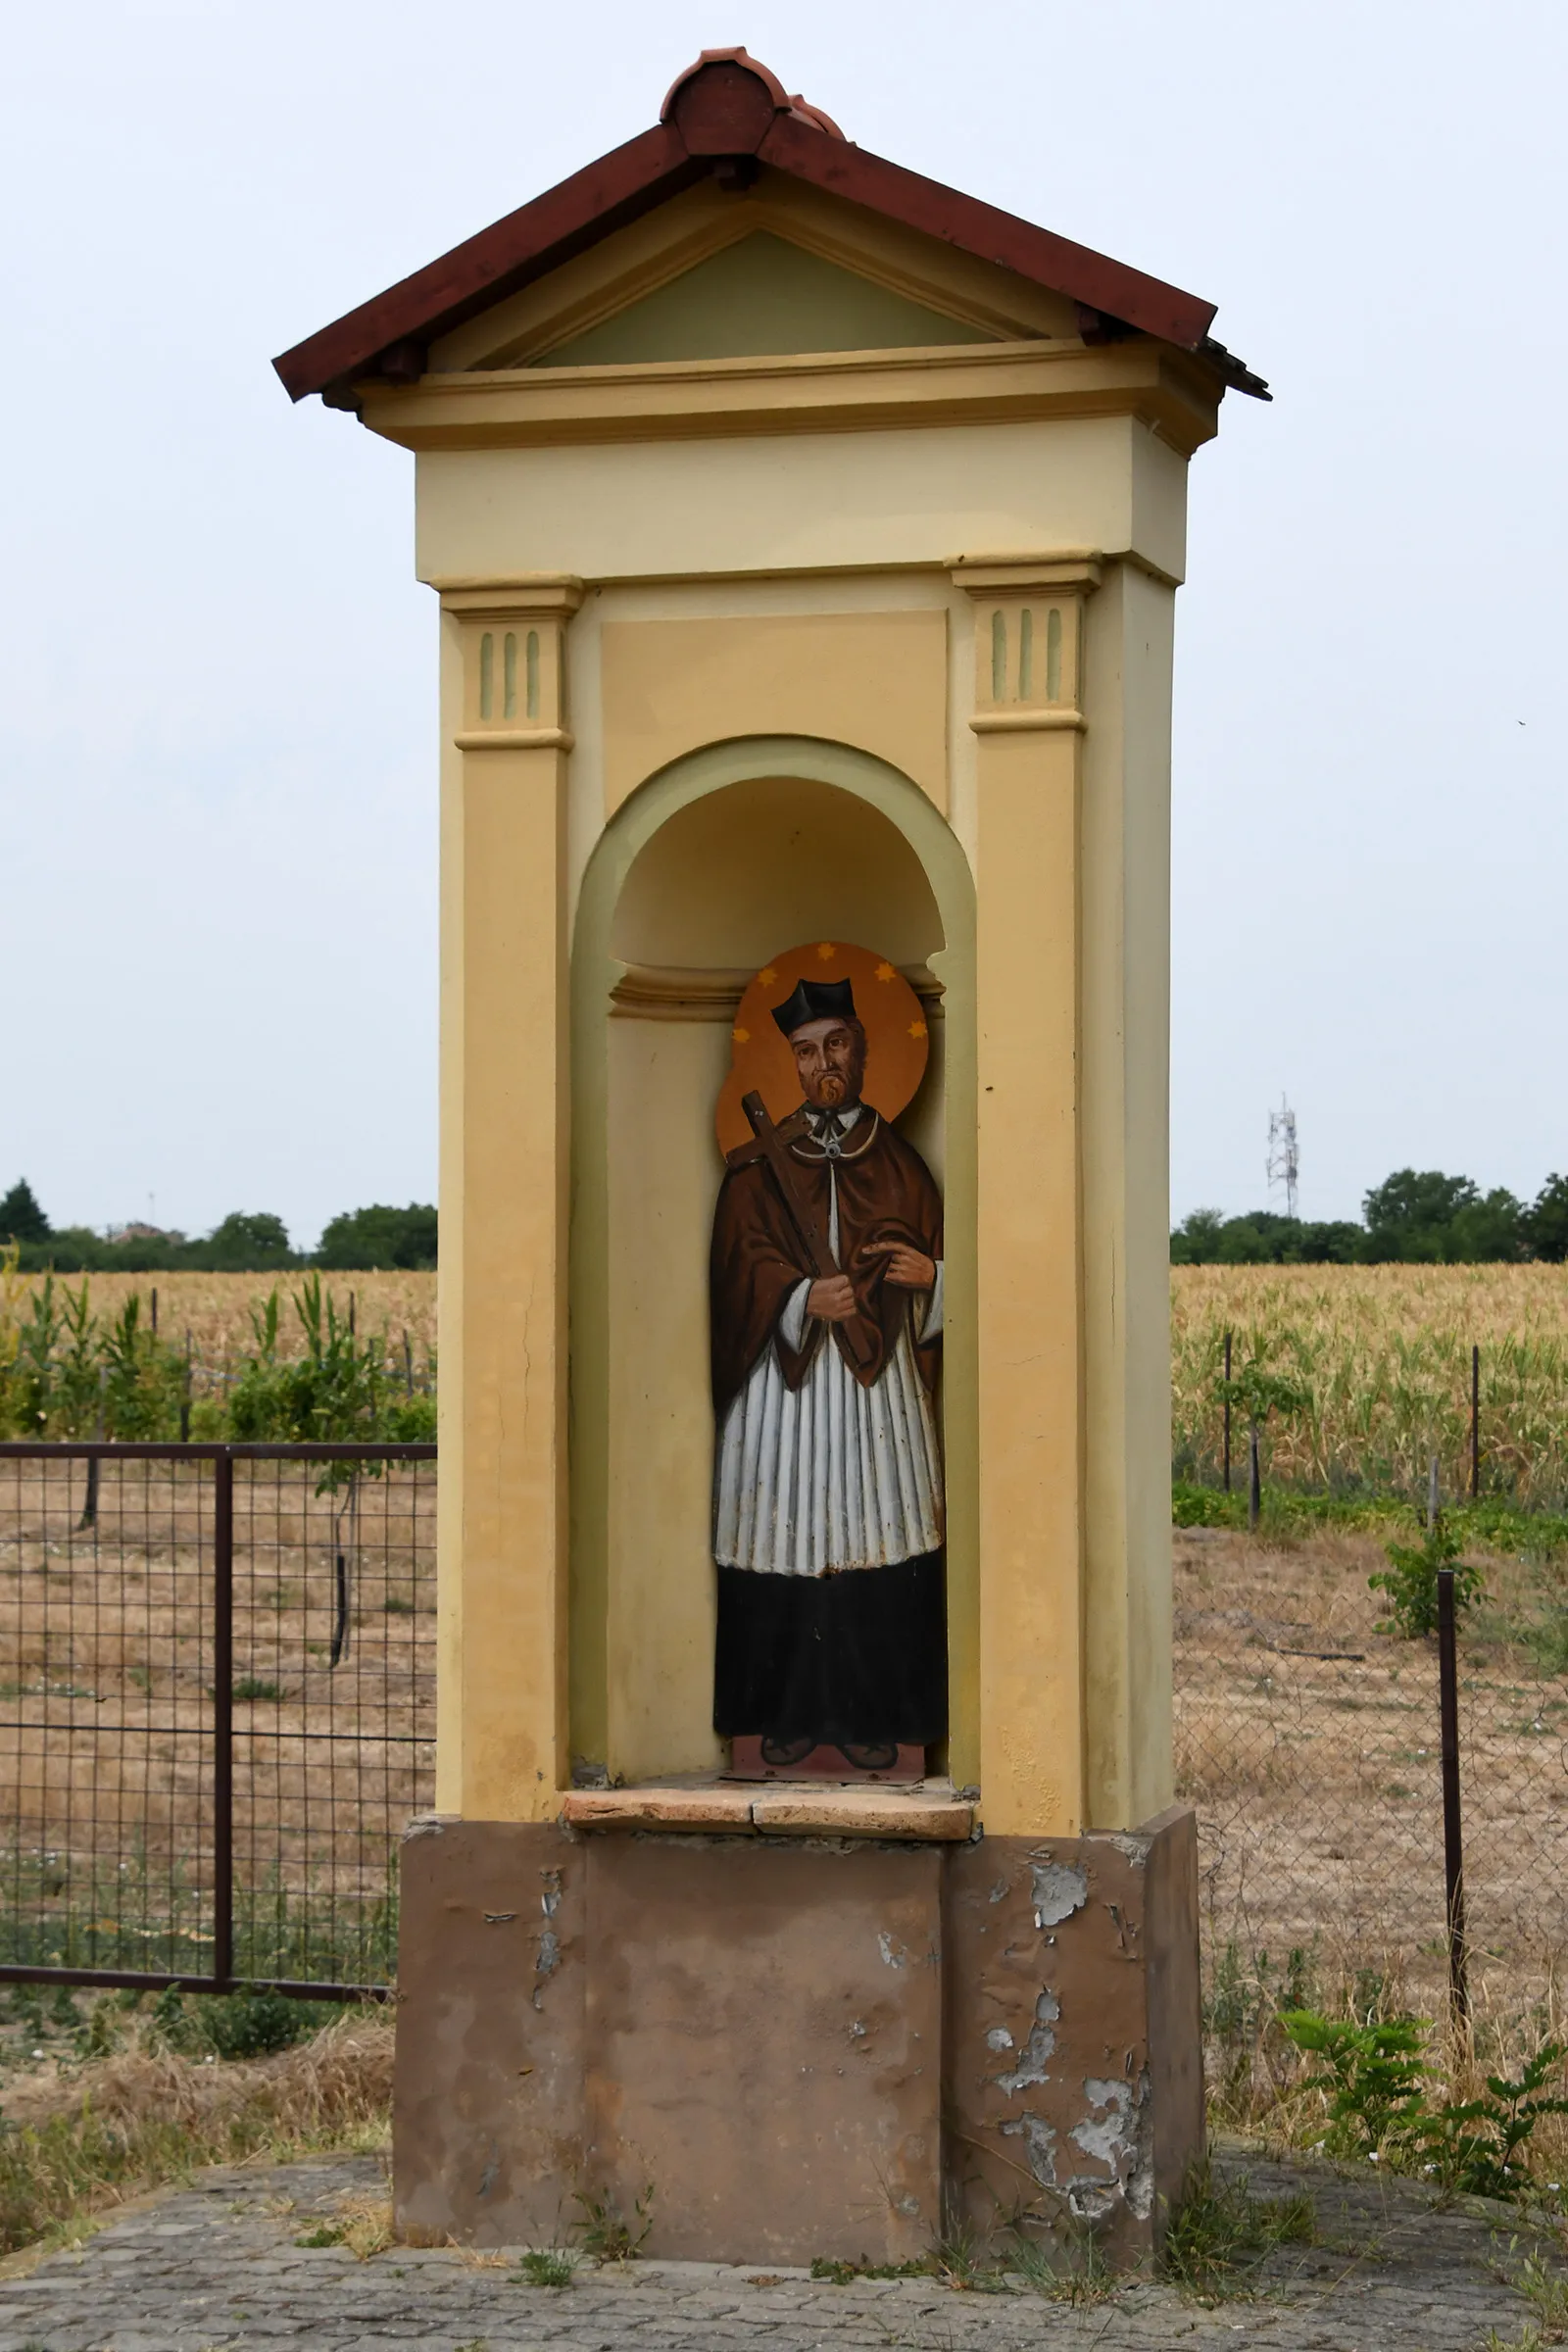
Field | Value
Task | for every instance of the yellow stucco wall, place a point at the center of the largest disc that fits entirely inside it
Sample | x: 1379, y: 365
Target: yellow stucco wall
x: 750, y: 641
x: 875, y: 679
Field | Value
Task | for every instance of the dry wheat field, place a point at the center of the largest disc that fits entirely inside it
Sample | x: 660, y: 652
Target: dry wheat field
x: 1383, y: 1353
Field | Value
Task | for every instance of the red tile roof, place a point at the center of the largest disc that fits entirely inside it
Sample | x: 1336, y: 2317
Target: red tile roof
x: 724, y: 117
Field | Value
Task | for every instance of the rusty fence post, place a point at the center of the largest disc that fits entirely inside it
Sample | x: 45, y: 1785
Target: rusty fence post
x: 1452, y: 1832
x: 223, y: 1721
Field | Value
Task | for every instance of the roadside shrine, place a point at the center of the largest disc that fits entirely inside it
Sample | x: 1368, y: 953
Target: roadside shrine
x: 807, y: 537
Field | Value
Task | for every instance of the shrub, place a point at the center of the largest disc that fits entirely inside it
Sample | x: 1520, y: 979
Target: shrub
x: 1410, y: 1582
x: 1375, y: 2077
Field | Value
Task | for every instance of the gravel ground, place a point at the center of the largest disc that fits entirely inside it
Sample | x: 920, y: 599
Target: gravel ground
x: 219, y: 2265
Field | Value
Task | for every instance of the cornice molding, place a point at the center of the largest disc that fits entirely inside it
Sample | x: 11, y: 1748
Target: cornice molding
x: 1027, y: 722
x: 515, y: 739
x: 946, y: 384
x: 657, y: 992
x: 1069, y: 568
x: 518, y: 594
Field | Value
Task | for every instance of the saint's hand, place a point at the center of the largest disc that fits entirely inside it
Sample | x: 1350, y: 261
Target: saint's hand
x: 832, y: 1298
x: 908, y: 1269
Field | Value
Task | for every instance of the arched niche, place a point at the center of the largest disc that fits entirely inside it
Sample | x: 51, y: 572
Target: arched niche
x: 722, y: 861
x: 721, y: 876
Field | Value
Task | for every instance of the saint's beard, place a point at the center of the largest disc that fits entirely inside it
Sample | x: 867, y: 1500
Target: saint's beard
x: 836, y: 1090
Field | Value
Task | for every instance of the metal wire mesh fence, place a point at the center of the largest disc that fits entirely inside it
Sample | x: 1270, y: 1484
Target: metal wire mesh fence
x: 217, y: 1709
x: 1309, y: 1744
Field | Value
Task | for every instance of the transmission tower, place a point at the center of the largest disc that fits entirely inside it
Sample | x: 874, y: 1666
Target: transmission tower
x: 1284, y: 1164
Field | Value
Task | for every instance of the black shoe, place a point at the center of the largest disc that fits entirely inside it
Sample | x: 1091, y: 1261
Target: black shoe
x: 871, y: 1756
x: 781, y: 1752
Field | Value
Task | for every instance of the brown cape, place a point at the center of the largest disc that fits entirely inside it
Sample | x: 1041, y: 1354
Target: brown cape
x: 885, y: 1194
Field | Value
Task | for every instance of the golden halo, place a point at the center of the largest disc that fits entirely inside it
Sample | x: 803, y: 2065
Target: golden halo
x: 894, y: 1019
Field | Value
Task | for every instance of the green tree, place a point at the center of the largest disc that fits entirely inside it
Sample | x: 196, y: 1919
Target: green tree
x: 1194, y: 1241
x: 1255, y: 1393
x: 247, y: 1242
x: 1333, y: 1243
x: 20, y: 1217
x: 1544, y: 1221
x: 1424, y: 1216
x: 1489, y: 1231
x: 363, y: 1240
x: 1263, y: 1239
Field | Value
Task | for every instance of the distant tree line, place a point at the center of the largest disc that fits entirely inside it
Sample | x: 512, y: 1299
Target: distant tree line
x: 248, y: 1242
x: 1414, y: 1217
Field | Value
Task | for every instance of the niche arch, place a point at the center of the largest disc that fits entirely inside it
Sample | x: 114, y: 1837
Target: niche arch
x: 716, y: 862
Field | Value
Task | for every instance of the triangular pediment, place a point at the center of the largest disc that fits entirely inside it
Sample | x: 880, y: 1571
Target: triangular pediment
x: 762, y: 295
x: 778, y: 271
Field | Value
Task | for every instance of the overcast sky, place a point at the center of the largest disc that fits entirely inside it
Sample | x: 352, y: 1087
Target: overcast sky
x: 217, y: 672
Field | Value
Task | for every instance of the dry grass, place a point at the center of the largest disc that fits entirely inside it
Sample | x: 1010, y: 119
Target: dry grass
x: 1384, y: 1352
x: 1316, y: 1778
x: 1316, y: 1782
x: 106, y: 1636
x: 89, y: 2139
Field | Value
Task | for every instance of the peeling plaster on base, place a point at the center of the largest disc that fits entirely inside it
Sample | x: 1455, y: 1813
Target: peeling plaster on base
x: 545, y: 1965
x: 894, y: 1953
x: 1040, y: 2145
x: 1136, y: 1849
x: 999, y: 2038
x: 1042, y: 2042
x: 1059, y: 1889
x: 1118, y: 2137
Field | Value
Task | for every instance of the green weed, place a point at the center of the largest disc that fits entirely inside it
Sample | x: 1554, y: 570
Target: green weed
x: 1546, y: 2291
x: 1220, y: 2234
x: 607, y: 2233
x: 546, y: 2267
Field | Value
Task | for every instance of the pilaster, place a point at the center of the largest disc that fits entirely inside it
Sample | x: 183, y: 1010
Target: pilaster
x: 503, y: 1270
x: 1029, y: 720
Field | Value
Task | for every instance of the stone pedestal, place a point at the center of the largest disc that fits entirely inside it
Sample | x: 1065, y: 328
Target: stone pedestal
x: 784, y: 2044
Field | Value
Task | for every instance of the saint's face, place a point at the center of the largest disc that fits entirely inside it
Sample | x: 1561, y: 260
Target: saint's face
x: 830, y: 1063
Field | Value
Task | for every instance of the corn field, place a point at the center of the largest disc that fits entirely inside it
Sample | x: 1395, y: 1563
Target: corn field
x: 217, y: 1357
x: 1381, y: 1355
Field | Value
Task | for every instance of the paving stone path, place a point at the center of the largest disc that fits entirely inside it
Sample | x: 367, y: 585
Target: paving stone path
x: 218, y: 2268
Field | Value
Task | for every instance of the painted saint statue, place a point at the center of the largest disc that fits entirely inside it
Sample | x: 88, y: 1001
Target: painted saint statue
x: 828, y: 1506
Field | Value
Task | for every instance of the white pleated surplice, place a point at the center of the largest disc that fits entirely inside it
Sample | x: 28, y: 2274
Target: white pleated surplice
x: 830, y: 1475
